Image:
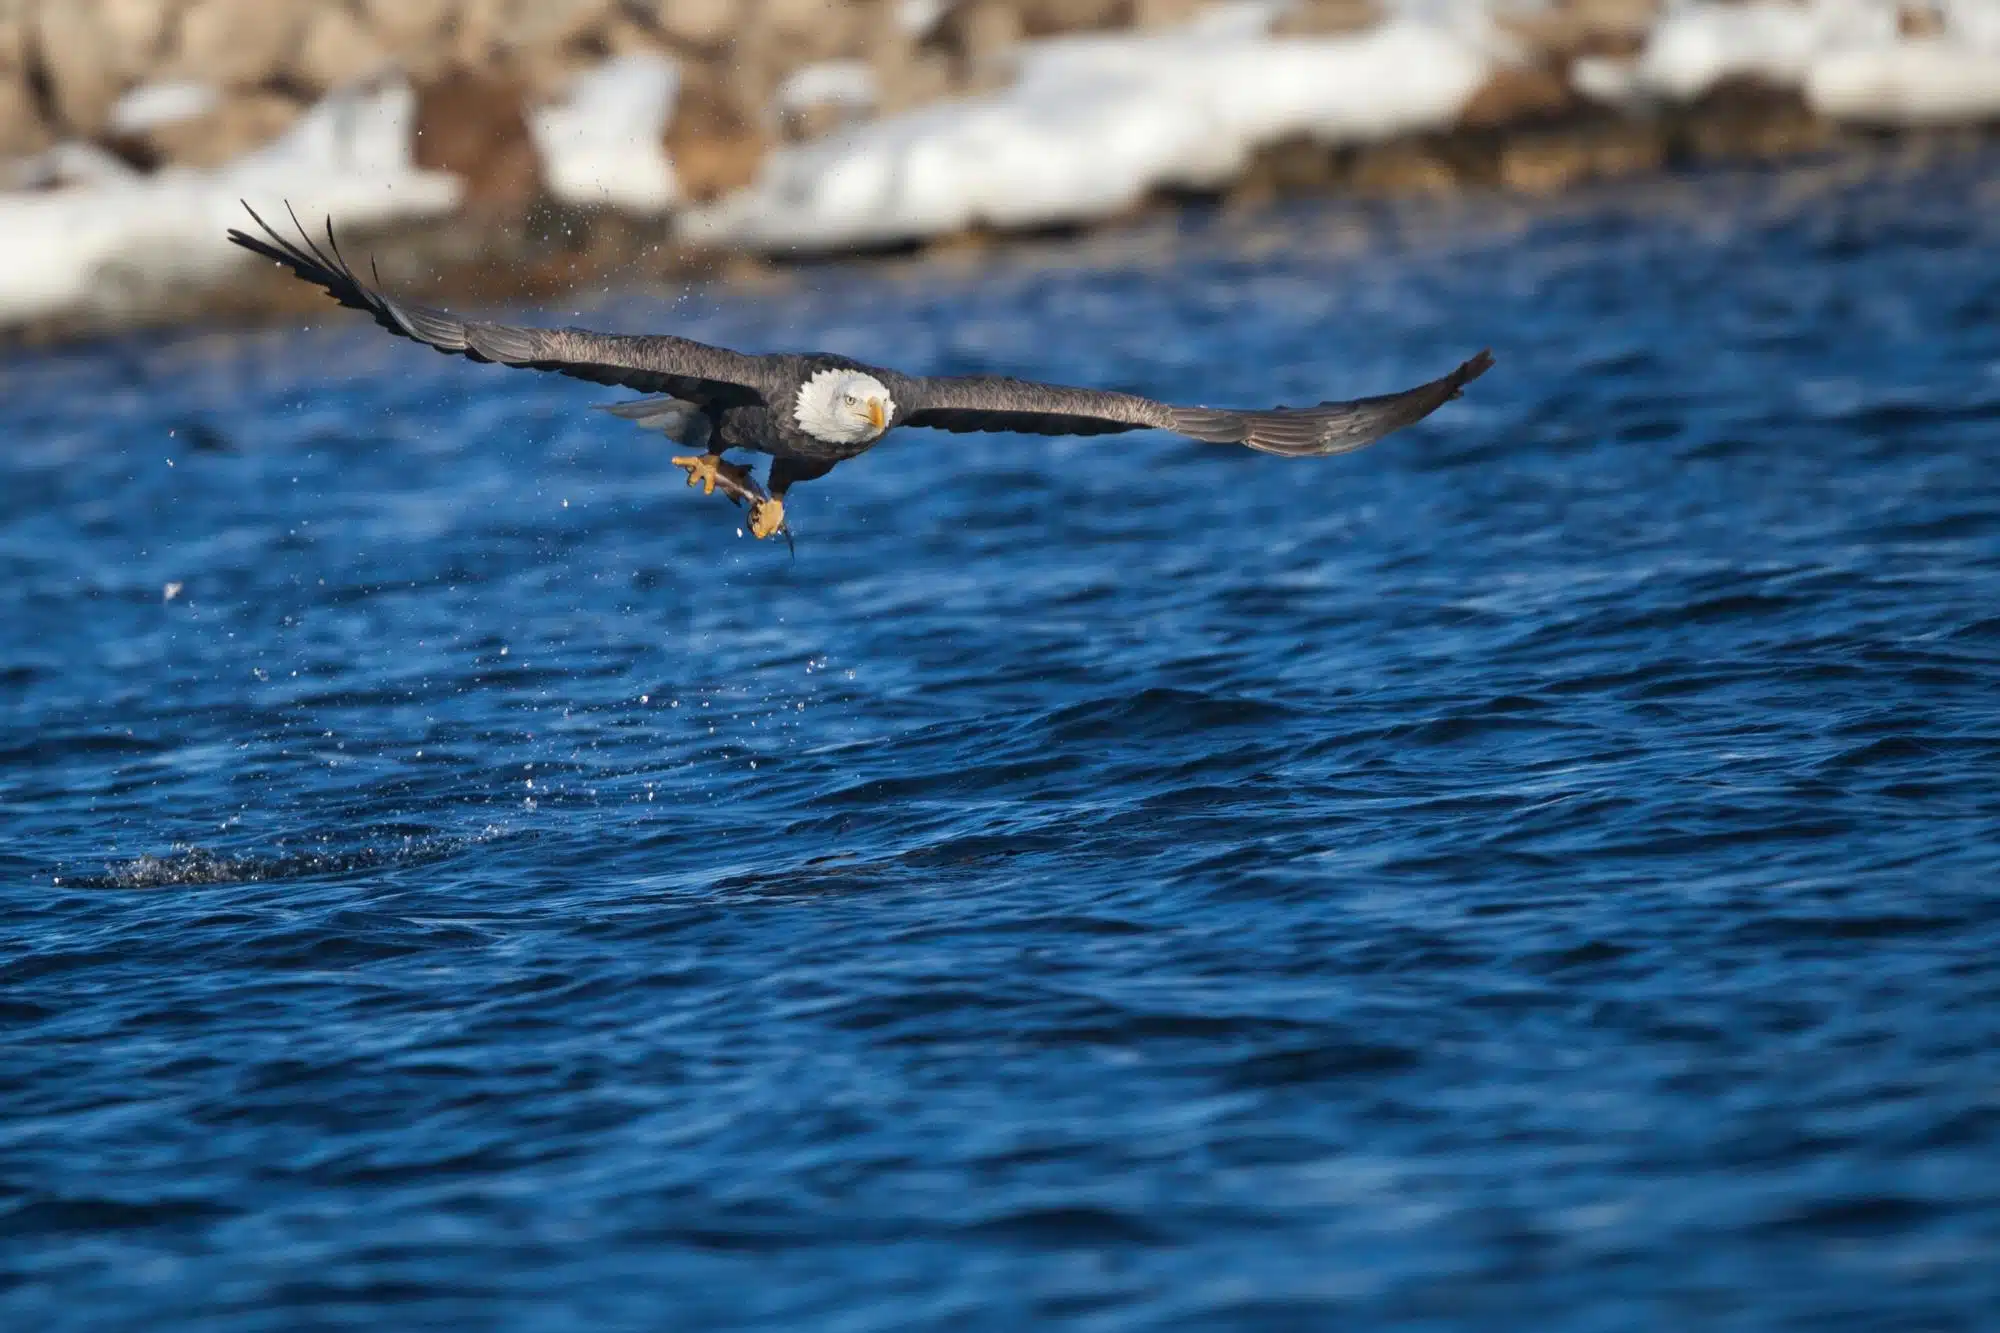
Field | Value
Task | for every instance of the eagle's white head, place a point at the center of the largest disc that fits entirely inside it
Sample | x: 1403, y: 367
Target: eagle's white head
x: 844, y: 407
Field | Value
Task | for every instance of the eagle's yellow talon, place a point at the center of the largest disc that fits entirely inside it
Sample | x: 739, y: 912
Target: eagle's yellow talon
x: 705, y: 471
x: 712, y: 472
x: 701, y: 470
x: 766, y: 517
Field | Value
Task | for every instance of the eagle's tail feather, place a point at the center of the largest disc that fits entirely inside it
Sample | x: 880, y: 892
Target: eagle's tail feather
x: 676, y: 418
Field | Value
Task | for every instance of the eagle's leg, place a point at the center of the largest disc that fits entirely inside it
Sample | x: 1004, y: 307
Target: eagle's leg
x: 768, y: 516
x: 711, y: 471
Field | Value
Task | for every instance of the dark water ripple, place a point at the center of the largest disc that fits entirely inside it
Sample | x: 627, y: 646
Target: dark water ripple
x: 1538, y: 874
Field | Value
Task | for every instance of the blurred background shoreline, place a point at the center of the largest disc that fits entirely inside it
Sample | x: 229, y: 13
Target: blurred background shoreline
x: 500, y: 150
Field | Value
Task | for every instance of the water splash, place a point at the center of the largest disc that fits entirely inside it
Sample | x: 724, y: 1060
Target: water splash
x: 186, y: 864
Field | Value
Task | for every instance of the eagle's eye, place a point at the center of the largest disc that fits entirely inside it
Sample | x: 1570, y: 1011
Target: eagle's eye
x: 848, y: 398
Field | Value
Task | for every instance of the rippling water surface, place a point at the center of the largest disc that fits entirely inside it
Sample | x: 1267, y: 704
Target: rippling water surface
x: 1538, y: 873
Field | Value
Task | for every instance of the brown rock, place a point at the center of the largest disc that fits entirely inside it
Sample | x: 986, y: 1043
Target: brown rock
x: 623, y: 34
x: 1572, y: 28
x: 413, y: 31
x: 791, y: 15
x: 1919, y: 18
x: 544, y: 44
x: 1325, y: 18
x: 235, y: 42
x: 16, y: 33
x: 1745, y: 119
x: 132, y: 31
x: 560, y: 21
x: 1162, y: 13
x: 241, y: 122
x: 1517, y: 95
x: 1043, y: 18
x: 77, y: 61
x: 1544, y: 164
x: 800, y: 32
x: 473, y: 124
x: 716, y: 144
x: 337, y: 50
x: 21, y: 128
x: 1295, y: 165
x: 88, y: 50
x: 911, y: 77
x: 546, y: 73
x: 485, y: 26
x: 1609, y: 14
x: 779, y: 36
x: 1626, y: 148
x: 975, y: 38
x: 802, y: 124
x: 698, y: 23
x: 1402, y: 169
x: 709, y: 167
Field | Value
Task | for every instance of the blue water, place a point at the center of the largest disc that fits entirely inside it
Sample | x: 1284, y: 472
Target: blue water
x: 1539, y: 873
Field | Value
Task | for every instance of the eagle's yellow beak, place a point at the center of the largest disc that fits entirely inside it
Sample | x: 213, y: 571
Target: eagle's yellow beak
x: 876, y: 416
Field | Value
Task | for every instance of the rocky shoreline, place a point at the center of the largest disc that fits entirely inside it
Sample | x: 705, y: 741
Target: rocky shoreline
x: 510, y: 149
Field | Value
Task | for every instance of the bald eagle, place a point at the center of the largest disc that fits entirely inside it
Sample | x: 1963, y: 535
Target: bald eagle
x: 810, y: 411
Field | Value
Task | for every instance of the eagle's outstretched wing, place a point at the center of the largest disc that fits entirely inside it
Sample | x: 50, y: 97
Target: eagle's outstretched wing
x: 655, y: 364
x: 980, y: 403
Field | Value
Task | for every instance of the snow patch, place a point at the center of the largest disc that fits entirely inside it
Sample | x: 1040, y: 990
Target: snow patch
x: 1933, y: 82
x: 110, y: 240
x: 840, y: 83
x: 151, y: 105
x: 1608, y: 81
x: 1092, y: 123
x: 72, y: 163
x: 605, y: 142
x: 1696, y: 46
x: 1849, y: 57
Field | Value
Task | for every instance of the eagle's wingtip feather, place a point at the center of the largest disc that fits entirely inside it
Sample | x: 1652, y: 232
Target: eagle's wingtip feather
x: 1470, y: 370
